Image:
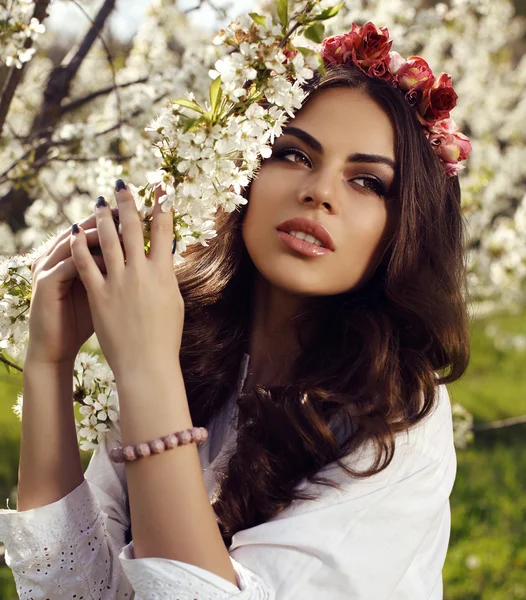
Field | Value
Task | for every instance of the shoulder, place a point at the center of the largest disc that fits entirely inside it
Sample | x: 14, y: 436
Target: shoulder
x: 424, y: 456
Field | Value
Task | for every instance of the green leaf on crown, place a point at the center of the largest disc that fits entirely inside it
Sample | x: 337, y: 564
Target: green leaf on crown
x: 283, y: 13
x: 258, y: 19
x: 328, y: 13
x: 315, y: 33
x: 215, y: 94
x: 188, y: 104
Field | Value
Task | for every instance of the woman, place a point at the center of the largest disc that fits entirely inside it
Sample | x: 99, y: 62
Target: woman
x: 315, y: 328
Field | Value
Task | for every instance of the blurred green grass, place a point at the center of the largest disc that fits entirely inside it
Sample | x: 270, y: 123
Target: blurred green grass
x: 487, y: 553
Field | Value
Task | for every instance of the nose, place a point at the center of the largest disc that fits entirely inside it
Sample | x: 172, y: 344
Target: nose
x: 321, y: 190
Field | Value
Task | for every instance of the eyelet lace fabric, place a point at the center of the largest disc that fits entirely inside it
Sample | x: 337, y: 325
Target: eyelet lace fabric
x: 64, y: 550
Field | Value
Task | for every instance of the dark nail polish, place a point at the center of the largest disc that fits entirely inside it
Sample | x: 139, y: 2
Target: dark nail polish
x: 101, y: 202
x: 75, y: 229
x: 120, y: 185
x: 174, y: 245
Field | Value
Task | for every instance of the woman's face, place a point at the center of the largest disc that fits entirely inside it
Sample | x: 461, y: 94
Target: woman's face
x: 333, y: 166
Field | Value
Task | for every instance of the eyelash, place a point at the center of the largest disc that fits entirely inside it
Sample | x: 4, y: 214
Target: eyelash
x: 378, y: 187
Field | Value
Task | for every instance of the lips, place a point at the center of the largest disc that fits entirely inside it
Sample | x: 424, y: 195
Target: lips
x: 310, y: 227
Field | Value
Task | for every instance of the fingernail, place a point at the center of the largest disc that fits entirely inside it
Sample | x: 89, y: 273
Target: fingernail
x: 75, y: 229
x: 101, y: 202
x: 174, y: 245
x: 120, y: 185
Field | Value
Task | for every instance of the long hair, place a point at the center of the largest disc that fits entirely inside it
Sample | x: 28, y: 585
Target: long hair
x: 372, y: 360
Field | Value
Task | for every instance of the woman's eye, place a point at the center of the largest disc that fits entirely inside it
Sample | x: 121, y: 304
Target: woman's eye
x: 372, y: 184
x: 293, y: 155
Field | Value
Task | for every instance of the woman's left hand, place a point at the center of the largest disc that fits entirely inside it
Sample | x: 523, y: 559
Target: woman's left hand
x: 137, y: 308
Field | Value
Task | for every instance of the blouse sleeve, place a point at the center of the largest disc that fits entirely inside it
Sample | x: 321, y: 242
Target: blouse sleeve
x: 383, y: 537
x: 69, y: 548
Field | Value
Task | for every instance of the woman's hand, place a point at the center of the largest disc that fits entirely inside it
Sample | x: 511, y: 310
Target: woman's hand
x: 59, y: 315
x: 137, y: 308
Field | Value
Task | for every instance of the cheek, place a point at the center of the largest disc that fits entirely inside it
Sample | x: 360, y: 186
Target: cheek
x: 261, y: 210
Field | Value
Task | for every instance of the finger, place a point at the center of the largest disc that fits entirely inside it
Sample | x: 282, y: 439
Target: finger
x: 131, y: 227
x: 63, y: 250
x: 87, y: 268
x: 86, y: 224
x: 66, y: 270
x: 162, y: 231
x: 63, y: 238
x: 108, y: 237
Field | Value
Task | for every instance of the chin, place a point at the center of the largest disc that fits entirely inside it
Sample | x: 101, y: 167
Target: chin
x: 298, y: 282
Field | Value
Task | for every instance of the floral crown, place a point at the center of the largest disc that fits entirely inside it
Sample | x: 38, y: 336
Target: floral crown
x: 369, y: 48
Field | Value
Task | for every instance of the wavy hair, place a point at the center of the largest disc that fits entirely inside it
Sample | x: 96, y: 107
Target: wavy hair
x: 371, y: 362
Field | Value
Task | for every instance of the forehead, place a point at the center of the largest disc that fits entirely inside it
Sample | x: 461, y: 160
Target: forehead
x: 348, y: 120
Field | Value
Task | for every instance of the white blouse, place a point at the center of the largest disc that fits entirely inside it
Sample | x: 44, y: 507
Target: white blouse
x: 380, y: 538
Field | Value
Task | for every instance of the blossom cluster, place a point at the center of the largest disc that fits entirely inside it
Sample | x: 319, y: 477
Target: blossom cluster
x: 462, y: 426
x: 369, y: 48
x: 209, y: 151
x: 17, y: 25
x: 96, y: 394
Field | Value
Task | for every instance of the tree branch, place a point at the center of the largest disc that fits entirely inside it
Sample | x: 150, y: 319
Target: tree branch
x: 14, y: 204
x: 61, y: 77
x: 15, y: 75
x: 500, y: 424
x: 74, y: 104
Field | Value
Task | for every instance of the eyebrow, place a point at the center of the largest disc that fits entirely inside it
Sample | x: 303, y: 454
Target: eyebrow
x: 358, y: 157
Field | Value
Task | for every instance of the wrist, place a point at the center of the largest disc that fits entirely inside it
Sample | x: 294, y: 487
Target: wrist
x: 147, y: 372
x: 41, y: 364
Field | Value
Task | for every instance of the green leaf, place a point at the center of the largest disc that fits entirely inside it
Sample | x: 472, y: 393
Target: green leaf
x: 189, y: 123
x: 215, y: 94
x: 188, y: 104
x: 258, y: 19
x: 328, y: 13
x: 315, y: 33
x: 283, y: 13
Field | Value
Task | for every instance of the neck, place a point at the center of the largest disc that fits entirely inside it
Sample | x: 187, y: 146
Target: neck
x: 273, y: 343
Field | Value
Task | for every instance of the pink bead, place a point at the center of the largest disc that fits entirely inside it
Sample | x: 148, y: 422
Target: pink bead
x: 196, y: 434
x: 116, y: 455
x: 185, y: 437
x: 143, y: 450
x: 205, y: 433
x: 128, y: 453
x: 157, y: 446
x: 171, y: 441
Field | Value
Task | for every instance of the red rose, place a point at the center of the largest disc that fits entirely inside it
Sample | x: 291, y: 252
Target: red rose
x: 371, y: 46
x: 338, y: 49
x: 415, y: 72
x: 439, y: 101
x: 450, y: 145
x: 332, y: 49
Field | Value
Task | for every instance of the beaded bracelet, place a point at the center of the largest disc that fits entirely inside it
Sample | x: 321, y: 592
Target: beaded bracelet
x: 130, y: 453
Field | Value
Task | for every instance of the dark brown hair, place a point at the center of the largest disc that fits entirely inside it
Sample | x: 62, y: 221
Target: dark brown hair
x: 371, y: 361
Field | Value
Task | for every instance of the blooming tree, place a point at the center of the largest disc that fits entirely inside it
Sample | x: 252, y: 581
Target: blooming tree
x: 69, y: 130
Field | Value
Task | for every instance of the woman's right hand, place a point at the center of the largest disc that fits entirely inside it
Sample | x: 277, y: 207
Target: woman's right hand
x: 59, y: 315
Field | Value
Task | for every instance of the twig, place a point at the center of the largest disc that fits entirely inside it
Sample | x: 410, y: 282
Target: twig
x: 108, y: 56
x: 74, y: 104
x: 10, y: 364
x: 15, y: 75
x: 500, y: 424
x: 220, y: 11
